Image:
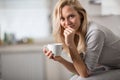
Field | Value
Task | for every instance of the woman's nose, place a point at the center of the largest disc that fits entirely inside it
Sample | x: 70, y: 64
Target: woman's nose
x: 67, y: 22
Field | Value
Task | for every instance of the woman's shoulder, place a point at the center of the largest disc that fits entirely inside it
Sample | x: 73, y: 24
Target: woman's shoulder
x: 94, y: 30
x: 94, y: 26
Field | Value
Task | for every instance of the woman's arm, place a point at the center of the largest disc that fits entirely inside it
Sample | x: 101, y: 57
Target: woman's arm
x: 78, y: 62
x: 68, y: 65
x: 61, y: 60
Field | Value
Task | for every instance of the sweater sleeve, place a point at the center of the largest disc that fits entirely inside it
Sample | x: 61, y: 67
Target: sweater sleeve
x: 95, y: 41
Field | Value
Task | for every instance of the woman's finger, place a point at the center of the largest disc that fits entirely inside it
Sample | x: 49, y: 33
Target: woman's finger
x: 48, y: 53
x: 50, y: 56
x: 70, y: 30
x: 44, y: 50
x: 66, y: 32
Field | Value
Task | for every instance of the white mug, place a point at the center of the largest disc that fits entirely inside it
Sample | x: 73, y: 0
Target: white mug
x: 56, y: 48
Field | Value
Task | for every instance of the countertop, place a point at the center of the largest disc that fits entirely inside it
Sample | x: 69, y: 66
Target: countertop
x: 23, y: 48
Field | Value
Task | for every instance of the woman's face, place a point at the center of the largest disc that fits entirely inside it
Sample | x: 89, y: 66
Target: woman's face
x: 70, y: 18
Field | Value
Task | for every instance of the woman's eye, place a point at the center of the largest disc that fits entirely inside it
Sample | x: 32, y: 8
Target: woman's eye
x: 62, y: 19
x: 71, y: 16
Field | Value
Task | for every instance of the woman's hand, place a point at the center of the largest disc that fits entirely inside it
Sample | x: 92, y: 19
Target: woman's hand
x: 50, y: 55
x: 69, y: 36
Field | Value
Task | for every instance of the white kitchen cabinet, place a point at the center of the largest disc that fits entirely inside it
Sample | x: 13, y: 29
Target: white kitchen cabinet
x: 22, y: 63
x: 27, y: 62
x: 28, y: 66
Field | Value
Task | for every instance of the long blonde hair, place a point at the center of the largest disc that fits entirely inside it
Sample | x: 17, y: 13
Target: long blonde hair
x: 58, y: 30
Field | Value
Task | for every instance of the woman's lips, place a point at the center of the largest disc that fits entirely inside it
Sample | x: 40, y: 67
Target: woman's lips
x: 71, y: 26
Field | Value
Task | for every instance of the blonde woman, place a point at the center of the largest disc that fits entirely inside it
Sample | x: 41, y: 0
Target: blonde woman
x: 94, y: 49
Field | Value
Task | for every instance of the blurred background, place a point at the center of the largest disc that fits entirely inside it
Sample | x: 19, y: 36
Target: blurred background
x: 25, y: 27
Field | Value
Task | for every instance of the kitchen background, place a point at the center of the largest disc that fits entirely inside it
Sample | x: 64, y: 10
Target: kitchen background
x: 25, y: 26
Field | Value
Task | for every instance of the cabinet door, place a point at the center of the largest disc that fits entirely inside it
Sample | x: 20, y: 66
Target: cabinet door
x: 23, y: 66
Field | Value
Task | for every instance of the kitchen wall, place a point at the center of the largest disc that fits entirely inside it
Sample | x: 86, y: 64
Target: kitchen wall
x: 111, y: 21
x: 25, y: 18
x: 96, y: 14
x: 30, y: 18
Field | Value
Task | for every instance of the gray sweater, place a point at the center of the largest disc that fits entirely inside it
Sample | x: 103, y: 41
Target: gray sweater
x: 103, y: 47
